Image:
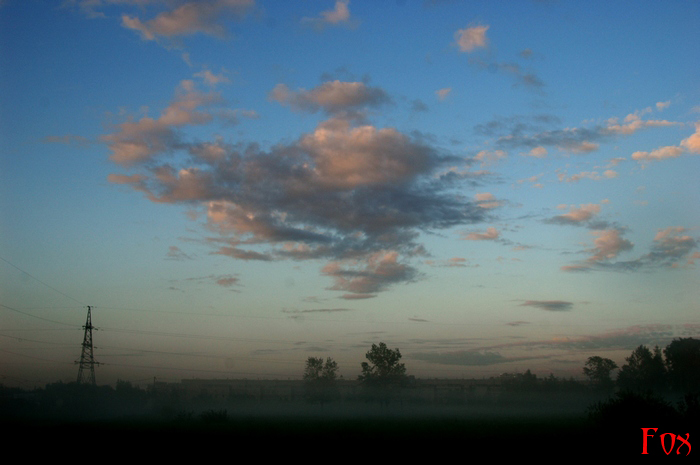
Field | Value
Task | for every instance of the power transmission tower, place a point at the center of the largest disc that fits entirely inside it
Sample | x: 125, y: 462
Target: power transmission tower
x: 86, y: 372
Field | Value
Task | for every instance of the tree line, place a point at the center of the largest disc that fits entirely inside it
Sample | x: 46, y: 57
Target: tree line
x: 380, y: 378
x: 675, y: 369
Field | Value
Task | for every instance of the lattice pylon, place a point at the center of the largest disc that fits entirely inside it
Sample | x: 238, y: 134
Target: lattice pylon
x: 86, y: 372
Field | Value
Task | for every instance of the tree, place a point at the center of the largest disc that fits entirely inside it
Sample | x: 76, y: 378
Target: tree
x: 384, y: 374
x: 683, y: 364
x: 598, y: 371
x: 319, y: 379
x: 385, y: 368
x: 644, y: 371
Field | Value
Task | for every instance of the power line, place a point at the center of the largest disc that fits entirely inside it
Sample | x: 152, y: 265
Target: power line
x: 37, y: 317
x: 42, y: 282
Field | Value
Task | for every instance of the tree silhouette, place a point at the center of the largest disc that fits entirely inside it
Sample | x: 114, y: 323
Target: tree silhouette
x: 384, y: 375
x: 319, y: 379
x: 598, y: 371
x: 683, y: 364
x: 644, y: 371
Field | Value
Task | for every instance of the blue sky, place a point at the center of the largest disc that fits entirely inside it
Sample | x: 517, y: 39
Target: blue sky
x: 237, y: 185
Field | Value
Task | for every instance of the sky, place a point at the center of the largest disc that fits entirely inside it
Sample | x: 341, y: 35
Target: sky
x: 234, y: 186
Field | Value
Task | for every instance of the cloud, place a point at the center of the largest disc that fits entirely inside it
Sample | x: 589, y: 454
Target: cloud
x: 658, y: 154
x: 489, y: 157
x: 139, y: 141
x: 576, y: 216
x: 332, y: 97
x: 454, y: 262
x: 471, y: 38
x: 663, y: 105
x: 353, y: 194
x: 669, y: 249
x: 692, y: 143
x: 487, y: 200
x: 213, y: 79
x: 339, y: 15
x: 491, y: 234
x: 608, y: 244
x: 519, y: 132
x: 670, y: 246
x: 318, y: 310
x: 203, y: 16
x: 593, y: 175
x: 371, y: 275
x: 443, y: 93
x: 174, y: 253
x: 538, y: 152
x: 549, y: 305
x: 634, y: 123
x: 68, y: 139
x: 227, y: 281
x: 528, y: 80
x: 418, y: 105
x: 348, y: 157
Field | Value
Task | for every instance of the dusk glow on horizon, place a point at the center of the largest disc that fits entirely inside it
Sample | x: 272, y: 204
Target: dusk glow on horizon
x: 237, y: 185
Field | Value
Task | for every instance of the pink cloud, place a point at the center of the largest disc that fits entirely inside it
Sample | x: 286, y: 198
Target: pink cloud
x: 204, y: 16
x: 692, y: 143
x: 471, y: 38
x: 339, y: 15
x: 608, y: 244
x: 490, y: 235
x: 331, y: 96
x: 137, y: 141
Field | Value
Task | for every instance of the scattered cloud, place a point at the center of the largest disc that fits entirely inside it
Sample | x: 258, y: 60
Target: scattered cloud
x: 418, y: 105
x: 317, y: 310
x: 227, y: 281
x: 549, y: 305
x: 669, y: 249
x: 658, y: 154
x: 576, y: 216
x: 593, y: 175
x: 138, y: 141
x: 530, y: 133
x: 174, y: 253
x: 608, y: 244
x: 332, y: 96
x: 490, y: 157
x: 350, y: 193
x: 68, y: 139
x: 522, y: 78
x: 692, y: 143
x: 213, y: 79
x: 338, y: 16
x: 487, y: 200
x: 196, y: 17
x: 491, y: 234
x: 471, y: 38
x: 538, y: 152
x: 371, y: 275
x: 443, y: 93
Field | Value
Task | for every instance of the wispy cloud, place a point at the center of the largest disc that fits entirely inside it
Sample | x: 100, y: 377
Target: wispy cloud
x: 549, y: 305
x: 670, y: 247
x: 196, y: 17
x: 338, y: 16
x: 491, y: 234
x: 331, y: 96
